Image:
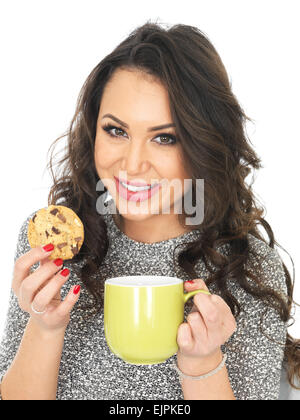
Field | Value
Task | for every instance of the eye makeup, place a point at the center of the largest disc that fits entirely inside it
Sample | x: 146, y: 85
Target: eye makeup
x: 108, y: 127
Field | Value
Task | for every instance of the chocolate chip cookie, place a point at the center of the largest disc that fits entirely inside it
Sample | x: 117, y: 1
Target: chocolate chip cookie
x: 60, y: 226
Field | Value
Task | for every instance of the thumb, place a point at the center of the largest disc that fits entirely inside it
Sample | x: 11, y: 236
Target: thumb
x: 195, y: 284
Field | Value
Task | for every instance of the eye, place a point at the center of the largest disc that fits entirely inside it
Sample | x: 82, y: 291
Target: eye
x: 172, y: 139
x: 110, y: 127
x: 165, y: 136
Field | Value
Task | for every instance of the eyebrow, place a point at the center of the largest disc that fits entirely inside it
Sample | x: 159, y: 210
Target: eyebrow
x: 158, y: 127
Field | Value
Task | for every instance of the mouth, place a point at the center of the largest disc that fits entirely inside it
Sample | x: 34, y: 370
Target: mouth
x: 136, y: 192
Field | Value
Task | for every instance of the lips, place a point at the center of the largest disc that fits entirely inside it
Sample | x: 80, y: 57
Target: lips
x: 136, y: 195
x: 133, y: 183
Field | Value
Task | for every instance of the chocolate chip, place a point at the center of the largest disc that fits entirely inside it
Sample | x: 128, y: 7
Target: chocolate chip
x: 78, y: 239
x: 33, y: 219
x: 57, y: 231
x: 74, y: 249
x: 54, y: 211
x: 47, y: 234
x: 61, y: 217
x: 60, y: 246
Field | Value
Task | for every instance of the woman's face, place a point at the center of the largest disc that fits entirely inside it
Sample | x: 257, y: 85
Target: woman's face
x: 127, y: 148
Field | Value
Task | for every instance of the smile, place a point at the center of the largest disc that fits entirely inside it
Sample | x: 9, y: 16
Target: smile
x: 134, y: 188
x: 136, y: 193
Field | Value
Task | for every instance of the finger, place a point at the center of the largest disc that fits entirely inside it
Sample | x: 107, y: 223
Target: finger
x: 67, y: 304
x: 197, y: 325
x: 228, y: 321
x: 195, y: 284
x: 51, y: 290
x: 208, y: 310
x: 35, y: 282
x: 194, y: 309
x: 47, y: 259
x: 43, y: 262
x: 24, y: 263
x: 220, y: 303
x: 185, y: 339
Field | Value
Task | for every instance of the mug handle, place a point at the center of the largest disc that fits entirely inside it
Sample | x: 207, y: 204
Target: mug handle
x: 187, y: 296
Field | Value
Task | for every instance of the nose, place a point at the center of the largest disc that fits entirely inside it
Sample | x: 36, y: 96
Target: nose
x: 135, y: 159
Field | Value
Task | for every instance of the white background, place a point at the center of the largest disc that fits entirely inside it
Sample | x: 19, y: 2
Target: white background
x: 48, y: 48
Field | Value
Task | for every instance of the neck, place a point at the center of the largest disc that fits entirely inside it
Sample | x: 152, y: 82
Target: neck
x: 154, y: 229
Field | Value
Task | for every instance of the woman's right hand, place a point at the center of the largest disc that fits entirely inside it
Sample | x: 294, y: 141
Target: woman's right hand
x: 41, y: 289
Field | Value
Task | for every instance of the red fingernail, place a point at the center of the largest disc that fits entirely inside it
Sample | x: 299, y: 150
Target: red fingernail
x: 58, y: 262
x: 48, y: 247
x: 190, y: 281
x: 65, y: 272
x: 76, y: 290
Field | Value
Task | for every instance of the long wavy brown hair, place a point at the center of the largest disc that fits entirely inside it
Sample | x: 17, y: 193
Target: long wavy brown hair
x: 210, y: 126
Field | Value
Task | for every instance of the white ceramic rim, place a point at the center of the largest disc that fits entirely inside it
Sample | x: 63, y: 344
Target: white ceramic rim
x: 143, y: 281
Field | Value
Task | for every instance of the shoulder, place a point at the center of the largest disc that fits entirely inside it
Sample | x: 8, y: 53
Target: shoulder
x: 263, y: 262
x: 267, y: 263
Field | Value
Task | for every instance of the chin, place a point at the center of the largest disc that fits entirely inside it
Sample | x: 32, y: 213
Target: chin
x: 137, y: 217
x: 135, y: 212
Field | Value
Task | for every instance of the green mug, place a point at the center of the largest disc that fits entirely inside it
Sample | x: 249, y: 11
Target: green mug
x: 142, y: 315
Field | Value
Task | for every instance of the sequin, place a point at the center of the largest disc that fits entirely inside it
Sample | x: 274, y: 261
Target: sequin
x: 90, y: 371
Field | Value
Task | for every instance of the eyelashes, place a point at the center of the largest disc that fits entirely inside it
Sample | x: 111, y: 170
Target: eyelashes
x: 108, y: 127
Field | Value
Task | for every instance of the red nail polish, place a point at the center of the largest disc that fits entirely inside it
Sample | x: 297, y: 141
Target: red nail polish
x: 76, y: 290
x: 190, y: 281
x: 65, y: 272
x: 58, y: 262
x: 48, y: 247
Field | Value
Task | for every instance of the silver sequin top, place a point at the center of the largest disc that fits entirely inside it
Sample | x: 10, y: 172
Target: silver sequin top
x: 90, y: 371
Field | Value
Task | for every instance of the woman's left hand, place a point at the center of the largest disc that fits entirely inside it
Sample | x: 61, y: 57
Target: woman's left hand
x: 210, y: 324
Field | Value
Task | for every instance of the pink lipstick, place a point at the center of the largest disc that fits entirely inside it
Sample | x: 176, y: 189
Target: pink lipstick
x: 136, y: 195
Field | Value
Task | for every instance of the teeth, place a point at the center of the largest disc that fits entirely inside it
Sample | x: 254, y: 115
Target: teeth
x: 134, y: 188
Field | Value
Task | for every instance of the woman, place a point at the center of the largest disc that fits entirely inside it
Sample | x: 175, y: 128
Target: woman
x: 158, y: 108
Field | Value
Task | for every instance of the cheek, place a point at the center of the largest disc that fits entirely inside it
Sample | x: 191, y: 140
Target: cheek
x: 104, y: 156
x: 172, y: 167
